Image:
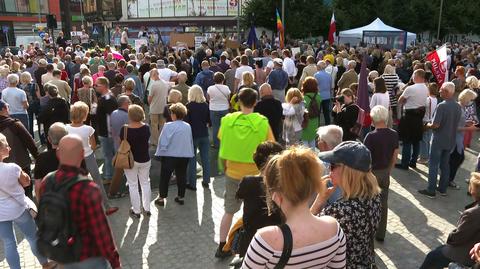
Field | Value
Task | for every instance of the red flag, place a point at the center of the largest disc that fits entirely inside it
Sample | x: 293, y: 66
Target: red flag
x: 438, y: 59
x: 333, y: 30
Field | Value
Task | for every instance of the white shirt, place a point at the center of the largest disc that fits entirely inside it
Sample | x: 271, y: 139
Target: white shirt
x: 159, y: 94
x: 416, y: 95
x: 166, y: 74
x: 219, y: 97
x: 12, y: 195
x: 289, y: 66
x: 239, y: 73
x: 15, y: 97
x: 332, y: 70
x: 382, y: 99
x: 85, y: 132
x: 430, y: 108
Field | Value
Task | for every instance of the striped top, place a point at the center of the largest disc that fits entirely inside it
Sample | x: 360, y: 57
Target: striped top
x: 391, y: 81
x: 327, y: 254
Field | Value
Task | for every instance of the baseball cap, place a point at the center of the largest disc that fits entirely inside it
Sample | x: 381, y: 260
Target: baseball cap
x: 350, y: 153
x: 278, y: 61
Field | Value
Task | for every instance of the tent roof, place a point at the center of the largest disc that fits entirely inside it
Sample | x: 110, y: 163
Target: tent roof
x: 376, y: 25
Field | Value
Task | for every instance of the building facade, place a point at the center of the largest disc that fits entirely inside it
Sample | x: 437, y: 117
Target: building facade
x: 22, y: 21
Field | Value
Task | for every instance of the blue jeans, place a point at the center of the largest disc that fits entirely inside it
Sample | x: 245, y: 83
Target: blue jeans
x: 438, y: 158
x: 108, y: 153
x: 435, y: 260
x: 425, y: 144
x: 409, y: 157
x: 202, y: 144
x: 326, y: 110
x: 27, y: 226
x: 216, y: 117
x: 23, y: 118
x: 95, y: 262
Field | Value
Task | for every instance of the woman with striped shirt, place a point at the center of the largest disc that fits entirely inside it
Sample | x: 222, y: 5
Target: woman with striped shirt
x: 318, y: 242
x: 391, y: 81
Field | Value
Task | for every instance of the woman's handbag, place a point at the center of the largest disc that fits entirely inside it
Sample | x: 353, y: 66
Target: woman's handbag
x: 123, y: 159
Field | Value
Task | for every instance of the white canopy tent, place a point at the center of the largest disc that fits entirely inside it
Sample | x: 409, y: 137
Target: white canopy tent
x: 354, y: 36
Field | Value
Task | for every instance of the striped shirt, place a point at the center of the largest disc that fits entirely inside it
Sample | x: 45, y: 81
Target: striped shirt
x: 327, y: 254
x: 391, y: 81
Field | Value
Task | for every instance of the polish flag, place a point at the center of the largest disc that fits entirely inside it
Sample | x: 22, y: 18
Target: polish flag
x: 438, y: 59
x: 333, y: 30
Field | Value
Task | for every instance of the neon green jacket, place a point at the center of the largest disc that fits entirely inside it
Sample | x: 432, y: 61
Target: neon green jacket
x: 240, y: 135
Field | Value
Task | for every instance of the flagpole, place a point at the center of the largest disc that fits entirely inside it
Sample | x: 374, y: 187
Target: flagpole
x: 439, y: 19
x: 283, y: 17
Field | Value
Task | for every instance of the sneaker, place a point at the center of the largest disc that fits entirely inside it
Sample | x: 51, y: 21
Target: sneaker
x: 147, y: 213
x: 160, y: 202
x: 422, y: 161
x: 189, y: 187
x: 133, y: 214
x: 179, y: 200
x: 453, y: 185
x: 205, y: 185
x: 222, y: 254
x: 400, y: 166
x: 427, y: 193
x: 412, y: 165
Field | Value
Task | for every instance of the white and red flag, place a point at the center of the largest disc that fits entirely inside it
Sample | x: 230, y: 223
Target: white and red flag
x: 438, y: 59
x: 332, y: 31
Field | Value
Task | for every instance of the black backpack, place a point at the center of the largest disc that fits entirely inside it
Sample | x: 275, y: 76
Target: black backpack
x: 57, y: 234
x: 313, y: 107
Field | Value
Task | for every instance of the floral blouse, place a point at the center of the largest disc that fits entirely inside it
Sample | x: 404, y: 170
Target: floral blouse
x: 359, y: 219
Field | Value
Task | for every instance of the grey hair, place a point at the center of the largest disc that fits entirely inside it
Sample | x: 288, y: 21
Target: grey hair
x: 12, y: 79
x: 122, y: 99
x: 379, y: 114
x: 352, y: 64
x: 330, y: 134
x: 321, y: 65
x: 56, y: 132
x: 449, y: 86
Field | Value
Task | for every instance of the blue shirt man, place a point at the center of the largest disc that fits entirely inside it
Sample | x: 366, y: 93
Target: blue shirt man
x: 324, y: 81
x: 278, y: 80
x: 204, y: 79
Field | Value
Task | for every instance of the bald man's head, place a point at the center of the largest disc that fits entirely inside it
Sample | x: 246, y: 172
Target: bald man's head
x: 70, y: 150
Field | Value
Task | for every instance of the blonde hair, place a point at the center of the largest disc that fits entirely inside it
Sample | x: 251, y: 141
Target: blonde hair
x: 136, y: 113
x: 25, y: 78
x: 474, y: 185
x: 87, y: 80
x: 247, y: 78
x: 79, y: 112
x: 472, y: 82
x: 358, y: 184
x: 179, y: 110
x: 295, y: 173
x: 3, y: 141
x: 293, y: 92
x: 174, y: 96
x: 129, y: 84
x: 389, y: 70
x: 466, y: 96
x: 195, y: 94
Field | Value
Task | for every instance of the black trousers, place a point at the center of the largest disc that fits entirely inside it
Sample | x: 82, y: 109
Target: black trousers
x: 170, y: 164
x: 456, y: 160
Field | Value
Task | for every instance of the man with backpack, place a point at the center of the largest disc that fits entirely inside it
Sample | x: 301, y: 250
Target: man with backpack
x: 72, y: 226
x: 204, y: 79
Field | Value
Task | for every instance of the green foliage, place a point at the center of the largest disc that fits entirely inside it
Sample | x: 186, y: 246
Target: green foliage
x: 312, y: 17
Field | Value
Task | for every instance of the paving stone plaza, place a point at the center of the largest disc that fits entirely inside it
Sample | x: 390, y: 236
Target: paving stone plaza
x: 186, y: 236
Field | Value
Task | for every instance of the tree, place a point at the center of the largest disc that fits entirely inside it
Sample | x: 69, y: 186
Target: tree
x: 302, y: 17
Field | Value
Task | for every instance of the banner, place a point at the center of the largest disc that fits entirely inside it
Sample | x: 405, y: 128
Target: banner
x: 386, y: 39
x: 438, y: 59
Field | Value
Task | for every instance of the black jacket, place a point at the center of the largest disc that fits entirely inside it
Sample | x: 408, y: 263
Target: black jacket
x: 19, y: 140
x: 56, y: 110
x: 106, y: 105
x: 272, y: 109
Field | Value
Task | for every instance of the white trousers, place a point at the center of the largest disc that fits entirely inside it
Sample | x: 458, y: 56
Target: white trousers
x: 140, y: 172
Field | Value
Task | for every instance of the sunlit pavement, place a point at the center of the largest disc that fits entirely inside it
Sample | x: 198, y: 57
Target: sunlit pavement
x: 186, y: 236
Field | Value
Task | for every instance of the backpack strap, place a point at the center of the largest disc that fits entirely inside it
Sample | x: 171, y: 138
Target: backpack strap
x: 287, y: 246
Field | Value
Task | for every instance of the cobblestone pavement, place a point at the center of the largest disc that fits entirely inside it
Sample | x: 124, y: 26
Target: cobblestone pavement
x: 186, y: 236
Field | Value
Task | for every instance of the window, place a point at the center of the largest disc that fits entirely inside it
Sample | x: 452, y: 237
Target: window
x: 23, y: 6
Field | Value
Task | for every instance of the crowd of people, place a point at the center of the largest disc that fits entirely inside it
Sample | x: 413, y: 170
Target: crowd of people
x: 285, y: 128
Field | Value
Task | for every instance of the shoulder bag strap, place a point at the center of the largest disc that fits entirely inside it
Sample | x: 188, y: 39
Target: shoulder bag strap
x: 287, y: 246
x: 220, y: 90
x: 125, y: 132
